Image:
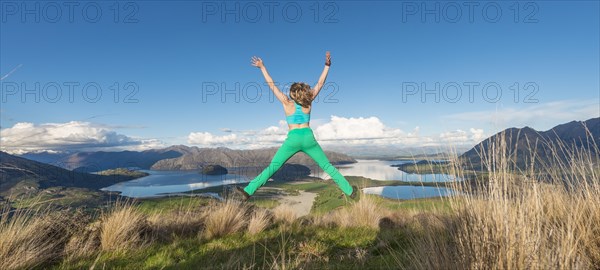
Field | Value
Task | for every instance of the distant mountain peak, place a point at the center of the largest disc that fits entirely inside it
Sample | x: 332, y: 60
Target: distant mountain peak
x: 522, y: 140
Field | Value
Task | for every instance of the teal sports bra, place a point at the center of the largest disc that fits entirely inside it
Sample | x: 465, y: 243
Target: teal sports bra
x: 298, y: 117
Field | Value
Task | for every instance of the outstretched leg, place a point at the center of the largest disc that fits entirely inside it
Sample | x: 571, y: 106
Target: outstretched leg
x: 315, y: 152
x: 285, y: 152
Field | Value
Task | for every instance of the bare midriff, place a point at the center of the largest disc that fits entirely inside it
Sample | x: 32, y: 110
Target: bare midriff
x: 295, y: 126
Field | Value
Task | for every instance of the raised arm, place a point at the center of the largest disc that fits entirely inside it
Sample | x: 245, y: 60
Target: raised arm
x: 321, y: 82
x: 257, y: 62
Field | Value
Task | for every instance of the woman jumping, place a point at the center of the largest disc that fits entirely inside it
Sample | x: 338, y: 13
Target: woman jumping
x: 300, y: 136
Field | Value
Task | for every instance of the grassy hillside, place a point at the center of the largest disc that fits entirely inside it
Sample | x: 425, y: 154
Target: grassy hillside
x: 513, y: 220
x: 25, y: 183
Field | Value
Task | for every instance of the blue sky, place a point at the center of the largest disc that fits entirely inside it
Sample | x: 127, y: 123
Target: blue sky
x: 160, y: 57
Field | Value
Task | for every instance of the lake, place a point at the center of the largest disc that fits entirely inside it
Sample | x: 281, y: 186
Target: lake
x: 158, y: 183
x: 382, y: 170
x: 409, y: 192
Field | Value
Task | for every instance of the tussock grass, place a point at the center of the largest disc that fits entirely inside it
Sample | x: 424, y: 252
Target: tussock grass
x: 531, y: 219
x: 224, y: 218
x: 84, y: 243
x: 123, y: 228
x: 543, y: 217
x: 32, y: 237
x: 260, y: 220
x: 323, y: 220
x: 284, y: 214
x: 364, y: 213
x: 180, y: 223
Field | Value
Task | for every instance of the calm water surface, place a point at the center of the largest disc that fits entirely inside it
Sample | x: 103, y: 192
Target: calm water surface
x: 409, y: 192
x: 159, y: 183
x: 382, y: 170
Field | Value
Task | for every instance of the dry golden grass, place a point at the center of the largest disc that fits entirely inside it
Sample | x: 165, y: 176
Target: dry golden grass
x: 364, y: 213
x: 312, y: 250
x: 84, y: 243
x: 325, y: 220
x: 224, y: 218
x: 30, y: 238
x: 259, y: 221
x: 181, y: 223
x: 517, y: 221
x: 124, y: 228
x: 284, y: 213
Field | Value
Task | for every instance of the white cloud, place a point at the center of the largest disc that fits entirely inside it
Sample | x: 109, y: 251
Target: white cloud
x: 340, y: 132
x: 205, y: 138
x: 454, y: 136
x: 463, y: 137
x: 75, y: 135
x: 542, y: 116
x: 371, y: 131
x: 271, y: 135
x: 477, y: 135
x: 415, y: 132
x: 250, y: 139
x: 340, y: 128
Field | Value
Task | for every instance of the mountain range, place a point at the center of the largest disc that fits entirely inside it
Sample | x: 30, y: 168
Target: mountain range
x: 177, y: 157
x: 522, y: 144
x: 32, y: 175
x: 527, y: 147
x: 193, y: 157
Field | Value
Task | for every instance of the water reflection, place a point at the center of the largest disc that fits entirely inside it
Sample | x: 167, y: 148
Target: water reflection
x: 159, y: 182
x: 409, y: 192
x: 381, y: 170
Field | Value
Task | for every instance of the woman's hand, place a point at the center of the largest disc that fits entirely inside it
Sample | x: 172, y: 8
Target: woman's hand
x: 257, y: 62
x: 321, y: 81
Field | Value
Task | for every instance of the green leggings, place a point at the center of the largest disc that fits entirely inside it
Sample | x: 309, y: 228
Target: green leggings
x: 299, y: 139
